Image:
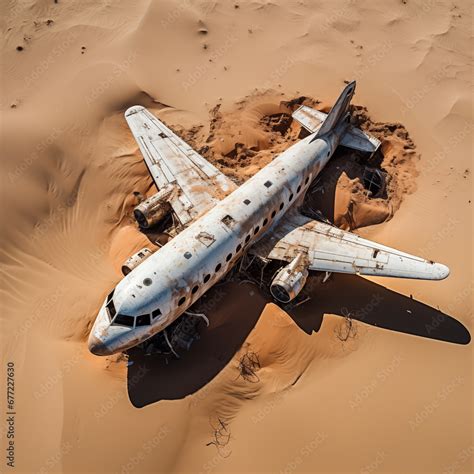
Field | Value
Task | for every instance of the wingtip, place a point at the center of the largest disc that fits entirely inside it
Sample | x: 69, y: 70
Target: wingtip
x: 133, y: 110
x: 442, y: 271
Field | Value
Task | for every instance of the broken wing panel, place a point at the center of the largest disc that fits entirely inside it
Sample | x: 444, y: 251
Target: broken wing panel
x: 334, y: 250
x: 171, y: 161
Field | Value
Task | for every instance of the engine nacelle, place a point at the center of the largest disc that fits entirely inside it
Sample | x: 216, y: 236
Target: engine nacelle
x: 154, y: 209
x: 135, y: 260
x: 290, y: 280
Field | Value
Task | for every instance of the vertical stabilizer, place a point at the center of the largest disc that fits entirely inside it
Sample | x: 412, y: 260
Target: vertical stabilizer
x: 339, y: 110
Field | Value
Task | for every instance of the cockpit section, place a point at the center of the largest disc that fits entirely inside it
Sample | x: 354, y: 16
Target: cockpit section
x: 119, y: 319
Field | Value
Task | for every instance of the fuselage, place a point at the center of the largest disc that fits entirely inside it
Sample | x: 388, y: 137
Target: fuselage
x: 161, y: 288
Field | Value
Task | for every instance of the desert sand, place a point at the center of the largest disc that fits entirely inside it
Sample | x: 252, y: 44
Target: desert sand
x: 389, y: 390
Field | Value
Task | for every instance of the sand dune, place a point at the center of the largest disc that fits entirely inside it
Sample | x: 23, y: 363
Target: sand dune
x: 390, y: 391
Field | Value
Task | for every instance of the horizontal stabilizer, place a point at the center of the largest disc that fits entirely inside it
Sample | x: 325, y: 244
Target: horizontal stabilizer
x: 356, y: 139
x: 309, y: 118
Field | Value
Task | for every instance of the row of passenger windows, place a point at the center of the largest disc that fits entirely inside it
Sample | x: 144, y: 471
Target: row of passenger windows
x: 247, y: 239
x: 145, y: 319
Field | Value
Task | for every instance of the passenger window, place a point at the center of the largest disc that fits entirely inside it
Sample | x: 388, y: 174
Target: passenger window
x: 273, y: 214
x: 227, y: 259
x: 206, y: 278
x: 194, y: 289
x: 124, y: 320
x: 265, y: 222
x: 290, y: 198
x: 156, y: 313
x: 238, y: 249
x: 306, y: 180
x: 281, y: 206
x: 298, y: 189
x: 256, y: 230
x: 247, y: 239
x: 143, y: 320
x: 218, y: 267
x: 181, y: 300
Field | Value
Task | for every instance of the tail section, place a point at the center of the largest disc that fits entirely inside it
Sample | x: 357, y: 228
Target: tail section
x: 320, y: 123
x: 339, y: 110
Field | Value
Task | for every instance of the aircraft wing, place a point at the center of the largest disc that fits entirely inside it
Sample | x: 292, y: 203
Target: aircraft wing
x: 334, y: 250
x: 171, y: 161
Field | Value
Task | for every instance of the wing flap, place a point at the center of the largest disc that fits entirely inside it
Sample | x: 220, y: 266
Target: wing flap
x: 334, y: 250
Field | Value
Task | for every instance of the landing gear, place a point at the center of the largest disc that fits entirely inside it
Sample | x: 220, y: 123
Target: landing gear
x: 178, y: 336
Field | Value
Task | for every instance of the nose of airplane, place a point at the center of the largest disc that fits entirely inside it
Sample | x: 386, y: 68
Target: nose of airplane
x: 97, y: 347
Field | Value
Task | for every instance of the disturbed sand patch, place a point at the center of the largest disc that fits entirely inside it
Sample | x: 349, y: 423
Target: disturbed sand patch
x: 259, y: 127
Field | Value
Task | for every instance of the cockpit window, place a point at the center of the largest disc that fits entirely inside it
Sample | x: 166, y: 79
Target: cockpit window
x: 155, y: 313
x: 110, y: 295
x: 124, y: 320
x: 143, y: 320
x: 111, y: 311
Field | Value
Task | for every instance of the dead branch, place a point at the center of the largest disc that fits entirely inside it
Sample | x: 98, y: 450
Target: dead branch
x: 248, y: 365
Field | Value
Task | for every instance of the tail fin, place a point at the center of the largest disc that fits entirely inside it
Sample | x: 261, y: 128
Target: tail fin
x: 339, y: 110
x: 319, y: 123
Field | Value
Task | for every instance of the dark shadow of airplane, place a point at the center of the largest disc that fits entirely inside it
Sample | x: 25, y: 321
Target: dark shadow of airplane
x: 234, y: 311
x: 363, y: 300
